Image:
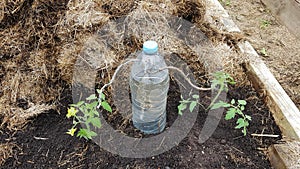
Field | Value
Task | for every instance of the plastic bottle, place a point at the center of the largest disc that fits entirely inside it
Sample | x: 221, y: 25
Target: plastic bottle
x: 149, y: 85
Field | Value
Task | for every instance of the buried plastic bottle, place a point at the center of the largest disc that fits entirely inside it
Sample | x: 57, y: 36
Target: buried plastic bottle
x: 149, y: 85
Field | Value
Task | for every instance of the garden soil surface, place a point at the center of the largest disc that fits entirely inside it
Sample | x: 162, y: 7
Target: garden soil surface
x: 42, y: 143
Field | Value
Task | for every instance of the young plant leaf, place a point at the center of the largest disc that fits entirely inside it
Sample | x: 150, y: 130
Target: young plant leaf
x: 220, y: 104
x: 232, y: 101
x: 195, y: 96
x: 91, y: 97
x: 214, y: 83
x: 242, y: 108
x: 241, y: 123
x: 83, y: 109
x: 87, y: 134
x: 95, y: 112
x: 94, y: 104
x: 240, y: 112
x: 192, y: 105
x: 232, y: 82
x: 96, y: 122
x: 82, y: 133
x: 77, y: 104
x: 230, y: 114
x: 102, y: 96
x: 248, y: 117
x: 242, y: 102
x: 91, y: 134
x: 181, y: 106
x: 106, y: 106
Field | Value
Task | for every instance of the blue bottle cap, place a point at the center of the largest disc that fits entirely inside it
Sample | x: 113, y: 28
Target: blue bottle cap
x: 150, y: 47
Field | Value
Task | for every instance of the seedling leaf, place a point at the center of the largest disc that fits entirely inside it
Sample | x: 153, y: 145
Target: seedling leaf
x: 220, y: 104
x: 232, y: 101
x: 192, y: 105
x: 87, y: 134
x: 241, y: 123
x: 248, y: 117
x: 106, y: 106
x: 242, y: 102
x: 230, y: 114
x: 91, y: 97
x: 77, y: 104
x: 195, y: 96
x: 181, y: 107
x: 96, y: 122
x: 95, y: 112
x: 242, y: 108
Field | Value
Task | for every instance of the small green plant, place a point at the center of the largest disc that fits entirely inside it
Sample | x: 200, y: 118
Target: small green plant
x: 263, y: 51
x: 219, y: 82
x: 184, y: 104
x: 88, y: 117
x: 265, y: 24
x: 235, y: 109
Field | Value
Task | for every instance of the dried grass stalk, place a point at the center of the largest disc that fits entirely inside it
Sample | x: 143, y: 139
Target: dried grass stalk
x: 191, y: 10
x: 6, y: 151
x: 82, y: 13
x: 18, y: 117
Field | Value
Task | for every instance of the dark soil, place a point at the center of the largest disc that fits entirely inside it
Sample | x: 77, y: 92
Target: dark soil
x: 227, y: 148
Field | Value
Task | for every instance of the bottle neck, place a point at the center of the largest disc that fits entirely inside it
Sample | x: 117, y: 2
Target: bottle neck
x: 154, y: 53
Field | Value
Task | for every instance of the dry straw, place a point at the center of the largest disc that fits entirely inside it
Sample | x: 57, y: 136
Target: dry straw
x: 40, y: 45
x: 6, y: 151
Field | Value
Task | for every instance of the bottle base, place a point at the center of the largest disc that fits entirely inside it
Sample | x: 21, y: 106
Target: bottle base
x: 154, y: 127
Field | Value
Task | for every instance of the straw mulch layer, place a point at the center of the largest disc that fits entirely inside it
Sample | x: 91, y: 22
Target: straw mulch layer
x: 39, y: 45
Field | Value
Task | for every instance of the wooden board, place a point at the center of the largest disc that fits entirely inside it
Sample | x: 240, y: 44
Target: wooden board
x: 288, y: 12
x: 285, y: 156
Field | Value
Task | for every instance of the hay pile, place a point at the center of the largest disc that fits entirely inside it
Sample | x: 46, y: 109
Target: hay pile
x: 41, y: 41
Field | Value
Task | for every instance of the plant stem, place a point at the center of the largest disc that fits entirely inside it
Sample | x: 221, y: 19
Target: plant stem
x: 184, y: 76
x: 113, y: 78
x: 216, y: 97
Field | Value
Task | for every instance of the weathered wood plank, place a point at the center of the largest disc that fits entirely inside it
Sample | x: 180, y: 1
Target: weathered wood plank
x: 275, y: 158
x: 288, y: 12
x: 285, y: 156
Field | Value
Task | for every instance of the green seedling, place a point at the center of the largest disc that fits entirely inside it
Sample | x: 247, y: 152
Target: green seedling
x: 219, y: 82
x: 88, y: 117
x: 227, y: 2
x: 235, y: 109
x: 265, y: 24
x: 263, y: 51
x: 187, y: 103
